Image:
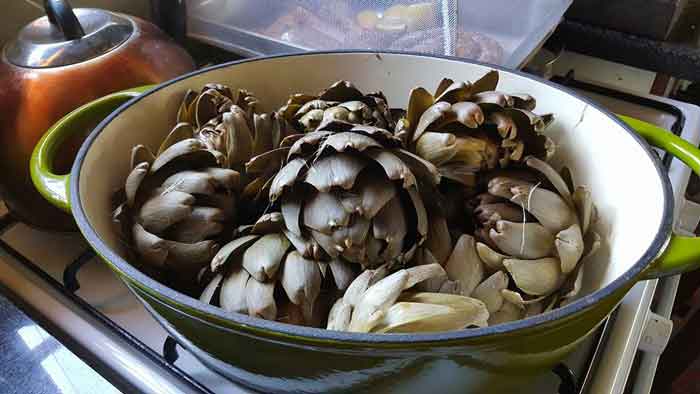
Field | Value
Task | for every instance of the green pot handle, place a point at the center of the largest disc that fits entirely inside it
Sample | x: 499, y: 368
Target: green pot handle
x: 53, y: 187
x: 682, y: 253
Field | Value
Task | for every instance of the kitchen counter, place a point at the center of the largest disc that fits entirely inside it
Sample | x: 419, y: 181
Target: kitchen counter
x: 32, y: 361
x: 674, y: 59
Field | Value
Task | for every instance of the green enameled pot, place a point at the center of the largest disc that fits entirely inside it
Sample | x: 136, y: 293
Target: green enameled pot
x: 629, y: 185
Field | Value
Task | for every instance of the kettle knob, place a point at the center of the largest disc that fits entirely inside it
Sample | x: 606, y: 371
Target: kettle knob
x: 61, y: 16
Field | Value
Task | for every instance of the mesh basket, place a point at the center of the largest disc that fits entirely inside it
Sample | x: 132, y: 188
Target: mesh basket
x: 483, y: 30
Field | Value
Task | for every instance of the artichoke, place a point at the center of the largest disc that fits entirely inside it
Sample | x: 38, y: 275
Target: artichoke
x: 347, y: 214
x: 375, y: 302
x: 467, y: 127
x: 246, y: 271
x: 177, y: 202
x: 350, y: 192
x: 539, y: 236
x: 341, y: 101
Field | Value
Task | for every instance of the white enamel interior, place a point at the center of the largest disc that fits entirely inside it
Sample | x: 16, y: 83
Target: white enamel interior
x: 601, y: 154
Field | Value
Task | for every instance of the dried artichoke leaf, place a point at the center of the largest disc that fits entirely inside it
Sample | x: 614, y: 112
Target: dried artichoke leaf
x: 233, y: 291
x: 134, y: 181
x: 371, y: 192
x: 404, y: 317
x: 492, y: 259
x: 376, y: 300
x: 231, y: 250
x: 339, y: 316
x: 488, y: 82
x: 435, y: 113
x: 291, y: 212
x: 421, y: 214
x: 180, y: 150
x: 421, y: 273
x: 339, y: 170
x: 575, y: 287
x: 286, y: 177
x: 203, y: 222
x: 327, y: 243
x: 583, y: 202
x: 186, y: 256
x: 455, y: 92
x: 422, y: 168
x: 517, y: 299
x: 324, y: 212
x: 266, y: 161
x: 191, y: 182
x: 140, y: 154
x: 553, y: 176
x: 468, y: 114
x: 260, y: 299
x: 312, y: 119
x: 240, y: 138
x: 489, y: 291
x: 343, y: 274
x: 341, y: 142
x: 210, y: 289
x: 390, y: 225
x: 262, y: 259
x: 180, y: 132
x: 394, y: 167
x: 464, y: 265
x: 437, y: 148
x: 419, y: 101
x: 501, y: 186
x: 464, y: 174
x: 535, y: 277
x: 472, y: 307
x: 493, y: 97
x: 301, y: 279
x: 268, y: 223
x: 522, y: 240
x: 150, y: 247
x: 184, y: 113
x: 307, y: 247
x: 224, y: 177
x: 548, y: 207
x: 439, y: 242
x: 165, y: 209
x: 508, y: 312
x: 358, y: 287
x: 340, y: 91
x: 505, y: 125
x: 569, y: 245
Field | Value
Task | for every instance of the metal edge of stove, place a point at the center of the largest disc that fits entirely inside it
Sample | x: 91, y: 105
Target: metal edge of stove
x: 133, y: 367
x: 687, y: 220
x: 618, y: 360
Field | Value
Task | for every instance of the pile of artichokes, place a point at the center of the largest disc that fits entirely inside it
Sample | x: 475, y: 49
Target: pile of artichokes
x: 339, y: 211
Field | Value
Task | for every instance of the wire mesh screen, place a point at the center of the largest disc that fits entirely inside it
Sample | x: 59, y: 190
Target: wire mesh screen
x: 405, y: 25
x: 503, y: 32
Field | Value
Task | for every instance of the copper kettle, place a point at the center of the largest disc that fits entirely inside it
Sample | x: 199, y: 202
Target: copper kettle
x: 54, y: 65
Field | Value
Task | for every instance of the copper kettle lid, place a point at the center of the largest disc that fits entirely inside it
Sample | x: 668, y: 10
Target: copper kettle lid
x: 66, y: 36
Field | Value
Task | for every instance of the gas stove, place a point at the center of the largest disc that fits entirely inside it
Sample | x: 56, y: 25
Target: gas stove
x: 57, y: 280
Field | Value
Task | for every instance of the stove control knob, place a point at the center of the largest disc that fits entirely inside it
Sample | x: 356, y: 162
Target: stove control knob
x: 657, y: 332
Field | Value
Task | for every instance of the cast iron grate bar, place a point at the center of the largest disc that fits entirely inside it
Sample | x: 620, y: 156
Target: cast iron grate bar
x: 111, y: 325
x: 568, y: 383
x: 70, y: 274
x: 170, y: 350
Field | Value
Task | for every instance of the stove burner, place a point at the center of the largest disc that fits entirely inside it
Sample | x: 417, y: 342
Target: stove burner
x: 170, y: 350
x: 70, y: 274
x: 568, y: 383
